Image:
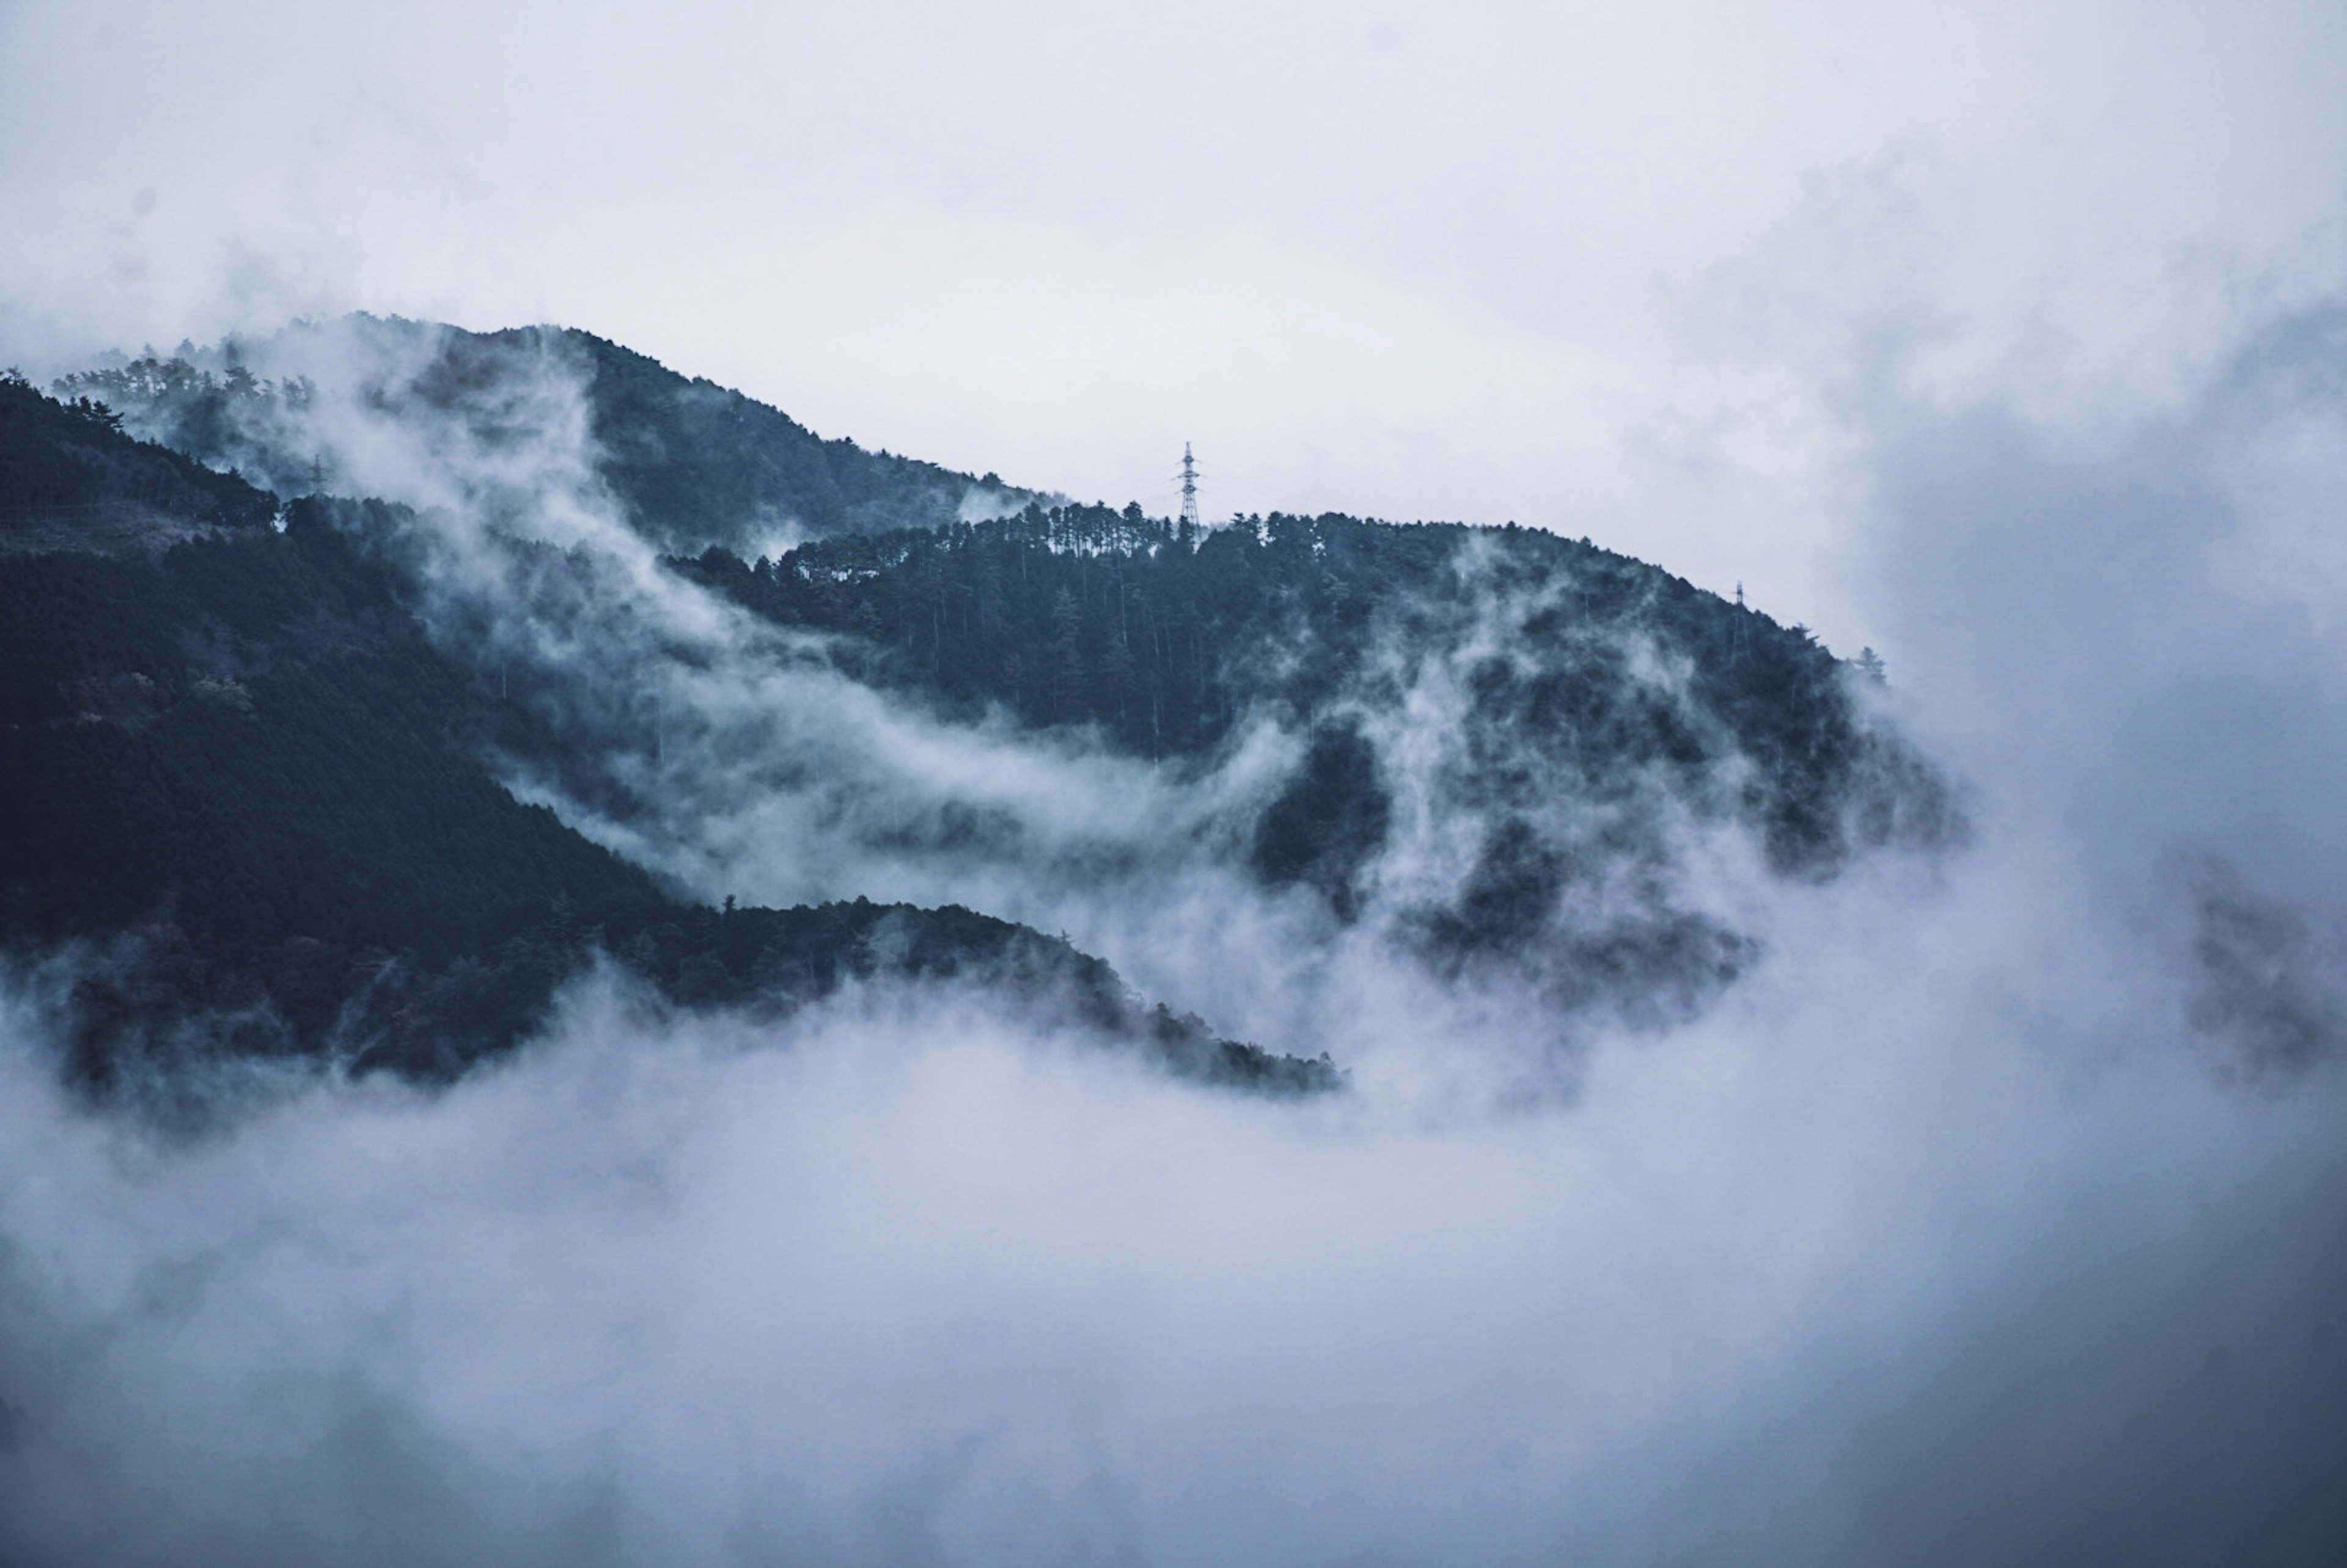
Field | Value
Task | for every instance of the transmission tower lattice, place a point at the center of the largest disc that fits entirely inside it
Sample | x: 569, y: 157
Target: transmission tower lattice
x: 1189, y: 487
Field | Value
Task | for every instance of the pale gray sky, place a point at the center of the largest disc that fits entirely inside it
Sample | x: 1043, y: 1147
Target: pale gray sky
x: 1637, y: 272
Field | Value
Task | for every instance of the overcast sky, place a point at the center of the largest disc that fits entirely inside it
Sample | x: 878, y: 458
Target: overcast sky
x: 1634, y: 270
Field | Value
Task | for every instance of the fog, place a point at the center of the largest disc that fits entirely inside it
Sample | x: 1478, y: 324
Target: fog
x: 735, y: 758
x: 1992, y: 1214
x: 1939, y: 1241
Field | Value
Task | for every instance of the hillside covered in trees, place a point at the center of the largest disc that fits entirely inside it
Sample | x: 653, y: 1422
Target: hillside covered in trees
x: 71, y: 477
x: 236, y: 767
x: 1588, y: 702
x: 692, y: 464
x: 1490, y: 753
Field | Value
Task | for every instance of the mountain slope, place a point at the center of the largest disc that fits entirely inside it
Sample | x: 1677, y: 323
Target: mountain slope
x: 71, y: 478
x: 692, y: 463
x: 1491, y: 752
x: 1162, y: 640
x: 1505, y: 742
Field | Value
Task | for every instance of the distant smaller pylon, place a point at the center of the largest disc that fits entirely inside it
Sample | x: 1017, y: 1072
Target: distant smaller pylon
x: 1189, y: 487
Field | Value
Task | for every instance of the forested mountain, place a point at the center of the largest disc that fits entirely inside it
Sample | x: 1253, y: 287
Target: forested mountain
x: 69, y: 476
x: 1162, y: 638
x: 281, y: 756
x: 1592, y: 707
x: 237, y: 764
x: 692, y: 463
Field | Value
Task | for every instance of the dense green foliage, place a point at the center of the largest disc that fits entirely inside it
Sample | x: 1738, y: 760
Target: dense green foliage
x: 256, y: 728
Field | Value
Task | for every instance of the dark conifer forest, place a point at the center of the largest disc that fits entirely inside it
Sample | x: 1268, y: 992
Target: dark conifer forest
x: 1160, y: 639
x: 1067, y: 785
x: 237, y: 765
x: 691, y: 462
x: 260, y: 752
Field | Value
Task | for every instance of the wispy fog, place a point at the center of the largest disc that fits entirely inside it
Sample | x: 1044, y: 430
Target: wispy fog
x: 1482, y: 260
x: 1948, y: 1238
x: 738, y: 759
x: 1994, y: 1213
x: 1990, y: 1217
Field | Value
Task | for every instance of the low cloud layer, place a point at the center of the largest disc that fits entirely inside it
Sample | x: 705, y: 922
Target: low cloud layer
x: 1948, y: 1241
x: 1991, y: 1217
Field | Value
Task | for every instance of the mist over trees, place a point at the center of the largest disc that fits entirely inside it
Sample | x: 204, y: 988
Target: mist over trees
x: 255, y: 751
x: 1160, y: 638
x: 693, y: 464
x: 238, y: 767
x: 1591, y: 715
x: 71, y: 478
x: 250, y: 748
x: 539, y: 889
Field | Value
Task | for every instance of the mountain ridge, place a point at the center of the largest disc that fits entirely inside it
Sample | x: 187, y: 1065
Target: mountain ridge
x: 692, y: 463
x: 242, y: 783
x: 1492, y: 752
